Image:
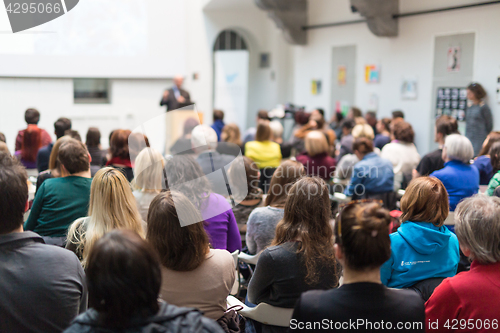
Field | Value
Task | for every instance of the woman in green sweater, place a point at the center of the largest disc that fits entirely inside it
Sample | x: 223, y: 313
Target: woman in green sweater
x: 60, y: 201
x: 495, y: 162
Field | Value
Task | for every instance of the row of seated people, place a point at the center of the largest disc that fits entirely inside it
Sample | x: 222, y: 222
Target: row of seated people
x: 125, y: 272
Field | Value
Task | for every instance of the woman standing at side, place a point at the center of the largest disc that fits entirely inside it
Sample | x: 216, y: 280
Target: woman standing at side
x: 478, y: 119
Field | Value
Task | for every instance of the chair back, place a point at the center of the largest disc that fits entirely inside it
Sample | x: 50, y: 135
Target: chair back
x: 263, y: 313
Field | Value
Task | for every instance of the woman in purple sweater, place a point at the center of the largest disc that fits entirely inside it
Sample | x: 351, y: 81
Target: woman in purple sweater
x: 185, y: 175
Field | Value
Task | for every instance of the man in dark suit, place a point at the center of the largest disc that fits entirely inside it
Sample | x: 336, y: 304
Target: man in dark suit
x: 176, y: 97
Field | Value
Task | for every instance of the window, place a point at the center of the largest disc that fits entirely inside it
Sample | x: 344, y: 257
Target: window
x: 91, y: 91
x: 229, y: 40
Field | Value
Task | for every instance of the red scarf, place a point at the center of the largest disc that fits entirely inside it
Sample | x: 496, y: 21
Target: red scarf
x: 120, y: 161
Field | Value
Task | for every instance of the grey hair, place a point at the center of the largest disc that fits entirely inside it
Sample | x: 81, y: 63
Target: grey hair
x: 477, y: 225
x: 276, y: 128
x: 458, y: 147
x: 203, y: 136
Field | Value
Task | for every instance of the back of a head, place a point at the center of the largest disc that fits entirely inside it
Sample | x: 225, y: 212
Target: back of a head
x: 478, y: 229
x: 458, y: 147
x: 477, y: 90
x: 446, y: 125
x: 252, y: 178
x: 386, y: 124
x: 32, y: 116
x: 363, y: 145
x: 136, y: 143
x: 495, y: 156
x: 356, y: 112
x: 73, y: 134
x: 348, y: 124
x: 362, y: 232
x: 93, y: 137
x: 119, y: 144
x: 14, y: 189
x: 283, y: 179
x: 124, y: 278
x: 403, y: 131
x: 204, y: 137
x: 425, y: 200
x: 148, y: 170
x: 491, y: 139
x: 231, y: 134
x: 315, y: 143
x: 74, y: 156
x: 4, y: 148
x: 263, y: 132
x: 61, y: 126
x: 189, y: 124
x: 218, y: 115
x: 2, y: 138
x: 363, y: 131
x: 276, y: 129
x: 398, y: 114
x: 263, y: 115
x: 32, y: 141
x: 53, y: 161
x: 180, y: 247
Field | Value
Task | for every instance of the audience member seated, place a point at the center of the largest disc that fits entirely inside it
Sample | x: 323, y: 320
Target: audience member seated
x: 32, y: 141
x: 433, y: 161
x: 372, y: 176
x: 42, y: 286
x: 472, y: 296
x: 124, y: 280
x: 277, y: 136
x: 112, y: 206
x: 371, y: 119
x: 2, y: 138
x: 251, y: 197
x: 249, y: 135
x: 483, y: 162
x: 301, y: 257
x: 60, y: 201
x: 347, y: 139
x: 218, y: 124
x: 494, y: 183
x: 204, y: 143
x: 54, y: 170
x: 384, y: 133
x: 336, y: 124
x: 459, y: 177
x: 402, y: 153
x: 354, y: 113
x: 137, y: 142
x: 120, y: 153
x: 148, y: 181
x: 398, y: 115
x: 183, y: 144
x: 73, y: 134
x: 422, y: 248
x: 231, y: 141
x: 93, y: 144
x: 261, y: 226
x: 316, y: 160
x: 348, y: 161
x: 316, y: 123
x: 362, y: 245
x: 265, y: 153
x: 60, y: 127
x: 32, y: 117
x: 4, y: 148
x: 185, y: 175
x: 193, y: 275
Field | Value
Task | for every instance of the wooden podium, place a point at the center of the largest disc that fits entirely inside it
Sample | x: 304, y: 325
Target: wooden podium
x: 175, y: 125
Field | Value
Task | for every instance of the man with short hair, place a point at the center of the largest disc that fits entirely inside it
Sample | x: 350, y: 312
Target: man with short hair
x: 218, y: 124
x: 371, y: 119
x: 398, y: 115
x: 60, y: 201
x: 42, y: 286
x: 60, y: 127
x: 176, y: 97
x: 204, y: 143
x: 32, y: 117
x: 445, y: 125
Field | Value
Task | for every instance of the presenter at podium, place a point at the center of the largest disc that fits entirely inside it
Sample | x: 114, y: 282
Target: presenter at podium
x: 176, y: 97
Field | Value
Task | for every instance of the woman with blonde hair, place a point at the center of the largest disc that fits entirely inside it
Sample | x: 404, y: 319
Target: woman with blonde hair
x: 148, y: 181
x: 316, y: 160
x: 346, y: 164
x: 112, y: 206
x: 231, y: 140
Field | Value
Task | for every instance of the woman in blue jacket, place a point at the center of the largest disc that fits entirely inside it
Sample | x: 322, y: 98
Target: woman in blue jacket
x: 422, y: 248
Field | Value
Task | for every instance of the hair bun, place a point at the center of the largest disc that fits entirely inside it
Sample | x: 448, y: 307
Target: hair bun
x: 373, y: 219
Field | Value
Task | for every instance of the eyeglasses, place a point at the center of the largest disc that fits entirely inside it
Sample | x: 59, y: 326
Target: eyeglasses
x: 349, y: 205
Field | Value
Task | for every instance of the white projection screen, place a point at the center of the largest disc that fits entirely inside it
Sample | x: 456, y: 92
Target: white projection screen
x: 99, y: 39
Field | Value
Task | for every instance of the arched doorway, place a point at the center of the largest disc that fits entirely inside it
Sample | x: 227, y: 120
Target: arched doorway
x: 231, y: 62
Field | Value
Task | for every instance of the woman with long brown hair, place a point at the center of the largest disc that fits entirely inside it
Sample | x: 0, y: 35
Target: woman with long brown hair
x: 301, y: 257
x: 193, y: 275
x: 483, y: 161
x: 120, y: 153
x: 262, y: 221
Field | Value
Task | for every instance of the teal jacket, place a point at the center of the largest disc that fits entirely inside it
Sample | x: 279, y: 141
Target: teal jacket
x: 58, y: 203
x: 419, y: 251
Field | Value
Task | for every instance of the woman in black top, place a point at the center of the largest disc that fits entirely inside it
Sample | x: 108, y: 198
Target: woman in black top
x: 362, y: 303
x: 301, y: 255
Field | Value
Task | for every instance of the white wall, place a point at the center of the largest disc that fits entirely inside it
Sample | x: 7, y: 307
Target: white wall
x: 409, y: 54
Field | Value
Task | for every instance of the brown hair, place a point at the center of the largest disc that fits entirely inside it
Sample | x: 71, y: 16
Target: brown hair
x: 283, y: 178
x: 263, y: 114
x: 492, y: 138
x: 263, y: 132
x: 218, y: 115
x: 386, y: 122
x: 446, y: 125
x: 425, y: 200
x: 231, y: 133
x: 32, y: 141
x: 93, y: 137
x: 54, y: 163
x: 403, y: 131
x: 14, y: 185
x: 362, y: 231
x: 363, y: 145
x: 74, y: 156
x: 307, y: 219
x: 477, y: 90
x: 494, y: 153
x: 73, y: 134
x: 32, y: 116
x: 180, y: 248
x: 119, y: 143
x: 356, y: 112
